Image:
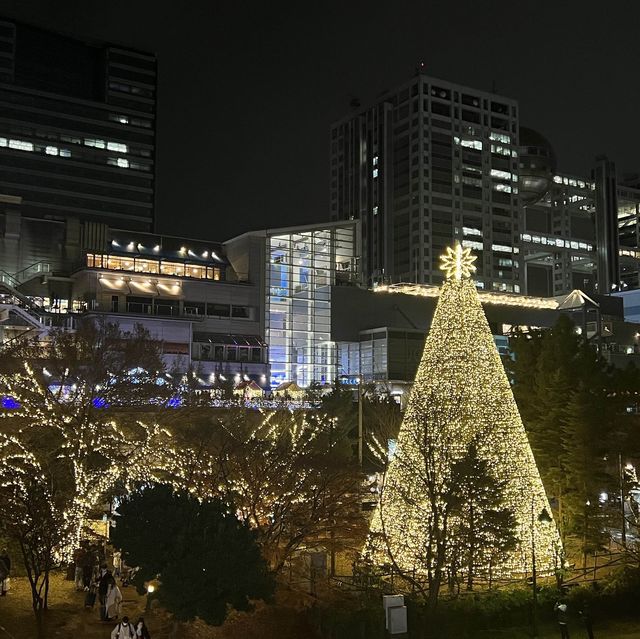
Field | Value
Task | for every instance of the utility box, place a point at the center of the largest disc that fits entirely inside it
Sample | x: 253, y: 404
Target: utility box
x: 397, y: 619
x: 389, y: 602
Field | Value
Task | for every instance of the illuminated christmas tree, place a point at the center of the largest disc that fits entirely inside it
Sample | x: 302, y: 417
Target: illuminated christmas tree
x: 461, y: 401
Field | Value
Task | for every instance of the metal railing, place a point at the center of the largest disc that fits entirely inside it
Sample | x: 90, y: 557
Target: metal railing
x: 31, y: 271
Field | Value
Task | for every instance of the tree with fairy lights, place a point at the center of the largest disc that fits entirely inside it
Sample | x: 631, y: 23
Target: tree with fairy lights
x: 31, y: 516
x: 461, y: 396
x: 292, y: 476
x: 75, y: 402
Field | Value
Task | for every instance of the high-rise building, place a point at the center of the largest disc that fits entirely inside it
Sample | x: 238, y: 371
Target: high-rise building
x: 77, y: 128
x: 433, y: 162
x: 425, y: 164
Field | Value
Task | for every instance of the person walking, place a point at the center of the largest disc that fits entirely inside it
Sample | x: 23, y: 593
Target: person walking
x: 5, y: 571
x: 142, y: 632
x: 561, y: 612
x: 113, y: 602
x: 124, y: 630
x: 117, y: 564
x: 105, y: 579
x: 79, y: 558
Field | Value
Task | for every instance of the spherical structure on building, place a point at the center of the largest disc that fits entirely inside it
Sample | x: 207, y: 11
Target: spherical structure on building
x: 537, y: 162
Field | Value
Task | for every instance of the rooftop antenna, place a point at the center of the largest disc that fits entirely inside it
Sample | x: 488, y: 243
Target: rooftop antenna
x: 420, y: 68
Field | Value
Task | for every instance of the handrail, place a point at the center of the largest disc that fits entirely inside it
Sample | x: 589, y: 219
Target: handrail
x: 7, y: 278
x: 24, y: 300
x: 38, y: 267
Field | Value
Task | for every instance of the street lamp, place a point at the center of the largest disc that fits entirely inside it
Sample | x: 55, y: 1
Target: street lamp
x: 151, y: 588
x: 545, y: 518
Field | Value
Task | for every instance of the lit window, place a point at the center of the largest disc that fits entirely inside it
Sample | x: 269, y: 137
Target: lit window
x: 375, y: 160
x: 500, y: 150
x: 172, y: 268
x: 375, y: 210
x: 123, y: 163
x: 504, y: 188
x: 117, y: 146
x: 3, y: 141
x: 123, y: 119
x: 21, y: 145
x: 98, y: 144
x: 65, y: 153
x: 198, y: 272
x: 375, y: 173
x: 51, y: 150
x: 500, y: 137
x: 471, y: 144
x: 466, y: 230
x: 476, y: 246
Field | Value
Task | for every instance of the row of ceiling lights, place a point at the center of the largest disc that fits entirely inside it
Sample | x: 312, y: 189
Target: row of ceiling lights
x: 132, y: 246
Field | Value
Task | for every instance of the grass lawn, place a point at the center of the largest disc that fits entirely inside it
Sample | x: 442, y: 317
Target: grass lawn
x: 66, y: 617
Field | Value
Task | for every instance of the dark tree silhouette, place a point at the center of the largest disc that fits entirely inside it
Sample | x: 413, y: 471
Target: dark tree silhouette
x: 204, y: 557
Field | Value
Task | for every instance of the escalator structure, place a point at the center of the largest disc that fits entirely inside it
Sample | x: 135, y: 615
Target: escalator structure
x: 23, y: 315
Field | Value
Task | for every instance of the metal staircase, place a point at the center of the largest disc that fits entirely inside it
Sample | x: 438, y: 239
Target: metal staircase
x: 10, y: 294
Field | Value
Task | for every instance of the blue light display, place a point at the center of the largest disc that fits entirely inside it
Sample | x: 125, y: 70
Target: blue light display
x: 9, y: 403
x: 174, y: 402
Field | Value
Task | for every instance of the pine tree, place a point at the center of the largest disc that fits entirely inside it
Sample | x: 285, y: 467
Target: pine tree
x: 484, y: 529
x: 461, y: 394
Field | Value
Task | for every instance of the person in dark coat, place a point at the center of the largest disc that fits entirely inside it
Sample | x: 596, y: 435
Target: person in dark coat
x: 105, y: 579
x: 142, y: 632
x: 561, y: 612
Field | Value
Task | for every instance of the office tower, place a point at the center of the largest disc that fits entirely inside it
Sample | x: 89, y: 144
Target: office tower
x: 426, y: 164
x: 77, y: 128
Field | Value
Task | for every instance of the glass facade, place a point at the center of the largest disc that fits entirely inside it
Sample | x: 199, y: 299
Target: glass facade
x: 151, y: 266
x: 302, y: 266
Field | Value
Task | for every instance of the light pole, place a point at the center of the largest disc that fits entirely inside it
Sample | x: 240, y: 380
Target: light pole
x: 623, y: 520
x: 543, y: 517
x: 151, y: 587
x: 360, y: 427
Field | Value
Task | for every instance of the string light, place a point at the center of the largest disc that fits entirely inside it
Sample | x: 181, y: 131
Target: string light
x: 486, y: 297
x: 457, y: 262
x: 85, y: 436
x: 461, y: 395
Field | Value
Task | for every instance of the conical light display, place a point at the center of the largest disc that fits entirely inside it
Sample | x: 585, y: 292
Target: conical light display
x: 461, y: 396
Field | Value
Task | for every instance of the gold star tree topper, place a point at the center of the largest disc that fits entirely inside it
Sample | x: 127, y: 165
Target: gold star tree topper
x: 457, y: 262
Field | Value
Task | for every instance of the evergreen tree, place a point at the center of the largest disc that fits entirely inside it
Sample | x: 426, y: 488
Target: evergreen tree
x: 204, y: 557
x: 574, y: 407
x: 482, y: 529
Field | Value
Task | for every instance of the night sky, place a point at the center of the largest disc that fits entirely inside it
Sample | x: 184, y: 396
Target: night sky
x: 247, y: 91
